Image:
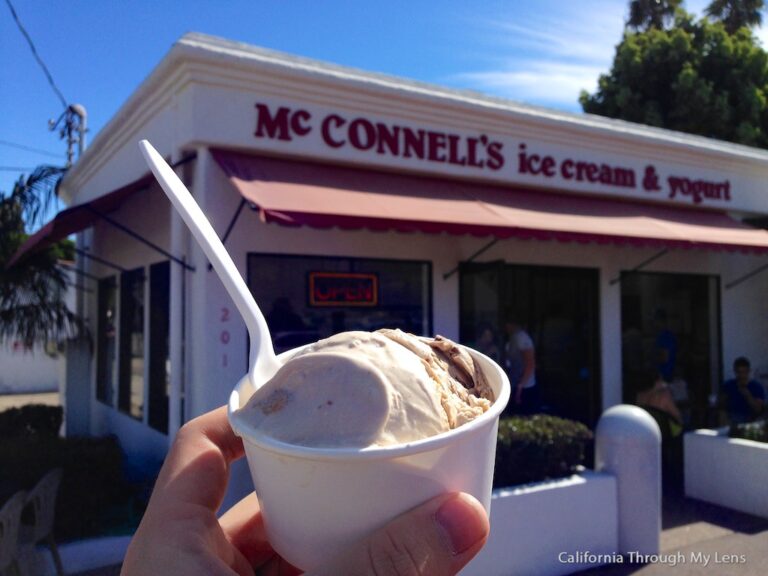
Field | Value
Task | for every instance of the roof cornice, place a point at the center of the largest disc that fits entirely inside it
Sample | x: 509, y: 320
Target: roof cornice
x: 195, y: 56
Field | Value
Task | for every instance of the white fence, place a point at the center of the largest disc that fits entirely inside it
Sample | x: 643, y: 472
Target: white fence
x: 729, y: 472
x: 559, y: 527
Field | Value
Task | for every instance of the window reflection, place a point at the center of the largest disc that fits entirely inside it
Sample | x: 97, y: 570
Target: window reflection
x: 106, y: 361
x: 306, y: 298
x: 159, y: 333
x: 131, y: 393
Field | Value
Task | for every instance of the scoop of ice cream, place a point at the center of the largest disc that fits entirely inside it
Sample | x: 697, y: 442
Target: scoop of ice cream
x: 358, y: 389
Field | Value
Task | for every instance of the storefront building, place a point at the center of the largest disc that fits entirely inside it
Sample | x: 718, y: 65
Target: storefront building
x: 351, y: 200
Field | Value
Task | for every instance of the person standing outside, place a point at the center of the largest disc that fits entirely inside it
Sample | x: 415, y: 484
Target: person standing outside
x: 486, y: 342
x: 743, y: 397
x: 666, y: 346
x: 658, y: 397
x: 520, y: 364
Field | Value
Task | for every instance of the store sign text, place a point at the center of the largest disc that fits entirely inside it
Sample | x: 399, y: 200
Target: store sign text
x: 478, y: 152
x: 343, y: 289
x: 392, y: 140
x: 621, y: 177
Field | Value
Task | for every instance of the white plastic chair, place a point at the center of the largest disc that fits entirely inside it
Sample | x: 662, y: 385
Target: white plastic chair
x: 10, y: 519
x: 42, y: 500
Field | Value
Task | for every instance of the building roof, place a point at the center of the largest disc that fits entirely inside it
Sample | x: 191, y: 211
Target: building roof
x: 212, y: 50
x: 241, y: 50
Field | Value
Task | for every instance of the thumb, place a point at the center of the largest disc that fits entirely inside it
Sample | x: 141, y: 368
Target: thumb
x: 437, y: 538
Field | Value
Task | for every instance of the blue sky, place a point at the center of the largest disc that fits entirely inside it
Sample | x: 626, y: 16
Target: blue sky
x: 537, y: 51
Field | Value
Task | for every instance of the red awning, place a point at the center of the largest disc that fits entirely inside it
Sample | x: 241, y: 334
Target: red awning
x: 80, y: 217
x: 295, y: 193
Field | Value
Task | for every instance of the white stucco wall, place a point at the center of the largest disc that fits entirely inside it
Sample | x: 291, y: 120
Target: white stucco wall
x: 532, y: 534
x: 726, y: 471
x: 24, y: 371
x: 147, y: 214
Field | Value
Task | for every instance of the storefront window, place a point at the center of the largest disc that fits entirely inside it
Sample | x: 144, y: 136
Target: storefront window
x: 306, y: 298
x: 159, y: 359
x: 670, y: 325
x: 121, y: 368
x: 131, y: 391
x: 106, y: 361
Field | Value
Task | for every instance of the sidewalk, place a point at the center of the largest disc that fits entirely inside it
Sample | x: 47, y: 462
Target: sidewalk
x: 691, y: 528
x: 694, y: 532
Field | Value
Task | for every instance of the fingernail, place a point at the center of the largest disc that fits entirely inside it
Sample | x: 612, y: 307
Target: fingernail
x: 461, y: 523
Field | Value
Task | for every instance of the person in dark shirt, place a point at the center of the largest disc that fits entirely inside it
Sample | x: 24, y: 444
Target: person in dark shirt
x: 742, y: 397
x: 486, y: 342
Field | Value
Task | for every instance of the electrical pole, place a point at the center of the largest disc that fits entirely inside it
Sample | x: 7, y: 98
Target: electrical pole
x: 73, y: 123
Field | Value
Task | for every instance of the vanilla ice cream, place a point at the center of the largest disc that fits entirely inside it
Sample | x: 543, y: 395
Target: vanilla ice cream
x: 358, y: 389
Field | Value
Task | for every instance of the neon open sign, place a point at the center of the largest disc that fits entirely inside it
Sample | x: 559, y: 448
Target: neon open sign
x: 343, y: 289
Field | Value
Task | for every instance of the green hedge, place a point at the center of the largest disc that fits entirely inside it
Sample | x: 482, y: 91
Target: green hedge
x: 757, y: 431
x: 92, y: 492
x: 31, y: 420
x: 534, y: 448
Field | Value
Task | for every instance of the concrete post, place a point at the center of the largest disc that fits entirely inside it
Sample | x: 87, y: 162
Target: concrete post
x: 628, y: 445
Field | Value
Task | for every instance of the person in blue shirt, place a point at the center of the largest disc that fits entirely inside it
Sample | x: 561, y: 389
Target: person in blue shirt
x: 666, y: 347
x: 742, y: 397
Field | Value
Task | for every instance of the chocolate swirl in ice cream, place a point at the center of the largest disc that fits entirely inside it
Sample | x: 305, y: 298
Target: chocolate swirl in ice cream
x: 464, y: 391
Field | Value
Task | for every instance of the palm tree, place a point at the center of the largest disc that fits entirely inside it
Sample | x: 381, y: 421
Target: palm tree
x: 32, y: 291
x: 647, y: 14
x: 735, y: 14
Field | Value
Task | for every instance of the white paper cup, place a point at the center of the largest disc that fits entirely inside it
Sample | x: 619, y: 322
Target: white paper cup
x: 317, y: 502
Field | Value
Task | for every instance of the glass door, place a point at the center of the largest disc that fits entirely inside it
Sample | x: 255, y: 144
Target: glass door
x: 558, y: 308
x: 481, y: 318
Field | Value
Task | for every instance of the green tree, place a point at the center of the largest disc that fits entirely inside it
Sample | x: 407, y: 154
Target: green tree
x: 32, y: 291
x: 735, y: 14
x: 647, y: 14
x: 693, y: 77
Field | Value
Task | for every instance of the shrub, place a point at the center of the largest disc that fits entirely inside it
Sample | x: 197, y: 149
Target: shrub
x: 31, y: 420
x: 757, y: 431
x: 92, y: 482
x: 534, y: 448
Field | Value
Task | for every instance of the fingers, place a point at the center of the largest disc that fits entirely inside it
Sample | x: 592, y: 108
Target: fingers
x: 197, y: 467
x: 214, y: 426
x: 276, y: 566
x: 437, y: 538
x: 244, y: 528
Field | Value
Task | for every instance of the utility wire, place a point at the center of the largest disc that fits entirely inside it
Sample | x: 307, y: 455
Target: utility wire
x: 14, y: 169
x: 29, y: 149
x: 36, y: 55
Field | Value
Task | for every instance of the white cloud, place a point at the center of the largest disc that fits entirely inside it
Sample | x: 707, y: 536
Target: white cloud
x: 587, y: 34
x: 543, y: 82
x: 546, y: 57
x: 547, y: 52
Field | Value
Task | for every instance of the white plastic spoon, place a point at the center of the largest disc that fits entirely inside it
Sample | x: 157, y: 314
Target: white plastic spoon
x: 262, y: 363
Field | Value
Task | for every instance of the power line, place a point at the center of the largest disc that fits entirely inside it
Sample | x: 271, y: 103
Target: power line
x: 36, y: 55
x: 29, y: 148
x: 14, y: 169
